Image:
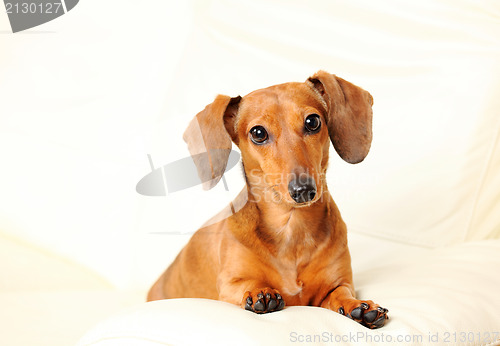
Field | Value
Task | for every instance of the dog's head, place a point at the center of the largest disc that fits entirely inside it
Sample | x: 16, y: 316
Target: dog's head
x: 283, y: 133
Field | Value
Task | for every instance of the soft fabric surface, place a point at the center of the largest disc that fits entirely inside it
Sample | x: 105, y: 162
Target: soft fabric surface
x: 449, y: 294
x: 433, y: 69
x: 73, y: 144
x: 86, y: 97
x: 53, y: 298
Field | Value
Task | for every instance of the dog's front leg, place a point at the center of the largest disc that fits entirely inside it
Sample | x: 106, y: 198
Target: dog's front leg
x: 366, y: 312
x: 252, y: 295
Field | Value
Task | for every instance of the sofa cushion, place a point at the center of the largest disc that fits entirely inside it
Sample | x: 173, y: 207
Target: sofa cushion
x: 54, y: 298
x: 433, y: 296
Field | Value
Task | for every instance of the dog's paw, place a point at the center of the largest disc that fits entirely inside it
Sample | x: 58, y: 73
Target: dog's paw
x: 365, y: 312
x: 263, y: 300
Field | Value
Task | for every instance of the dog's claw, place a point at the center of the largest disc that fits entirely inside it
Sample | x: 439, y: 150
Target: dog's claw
x: 248, y: 304
x: 382, y: 310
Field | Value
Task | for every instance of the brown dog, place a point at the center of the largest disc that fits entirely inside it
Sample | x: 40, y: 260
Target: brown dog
x: 288, y: 243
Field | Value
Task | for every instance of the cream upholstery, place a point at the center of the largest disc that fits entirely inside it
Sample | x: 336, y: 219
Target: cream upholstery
x: 85, y: 101
x: 431, y: 295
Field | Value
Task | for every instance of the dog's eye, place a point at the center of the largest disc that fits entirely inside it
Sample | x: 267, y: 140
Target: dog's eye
x: 312, y: 123
x: 258, y: 134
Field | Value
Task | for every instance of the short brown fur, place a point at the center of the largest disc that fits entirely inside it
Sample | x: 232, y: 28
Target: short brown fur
x: 274, y: 247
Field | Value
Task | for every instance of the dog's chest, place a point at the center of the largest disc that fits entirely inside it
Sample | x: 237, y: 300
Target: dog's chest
x: 288, y: 277
x: 294, y: 255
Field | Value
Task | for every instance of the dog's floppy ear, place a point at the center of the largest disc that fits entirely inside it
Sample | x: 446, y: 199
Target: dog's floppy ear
x: 349, y: 115
x: 208, y: 140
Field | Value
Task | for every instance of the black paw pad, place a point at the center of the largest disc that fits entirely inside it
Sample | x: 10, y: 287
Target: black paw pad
x: 370, y: 316
x: 272, y: 304
x: 357, y: 313
x: 380, y: 322
x: 375, y: 318
x: 259, y: 305
x: 265, y: 303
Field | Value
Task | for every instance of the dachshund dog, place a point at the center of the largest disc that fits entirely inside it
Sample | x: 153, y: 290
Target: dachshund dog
x: 288, y: 242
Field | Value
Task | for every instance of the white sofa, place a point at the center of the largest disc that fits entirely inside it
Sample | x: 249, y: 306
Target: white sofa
x: 86, y: 99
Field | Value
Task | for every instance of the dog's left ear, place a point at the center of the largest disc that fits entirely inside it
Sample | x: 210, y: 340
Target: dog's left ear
x: 208, y: 139
x: 349, y: 115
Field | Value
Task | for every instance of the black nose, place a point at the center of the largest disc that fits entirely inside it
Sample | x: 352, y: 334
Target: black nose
x: 302, y: 189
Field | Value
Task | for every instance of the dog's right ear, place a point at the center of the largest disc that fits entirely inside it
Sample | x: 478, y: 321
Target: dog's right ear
x: 208, y: 137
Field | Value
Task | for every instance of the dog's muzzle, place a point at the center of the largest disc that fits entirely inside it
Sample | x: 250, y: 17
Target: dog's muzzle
x: 302, y: 189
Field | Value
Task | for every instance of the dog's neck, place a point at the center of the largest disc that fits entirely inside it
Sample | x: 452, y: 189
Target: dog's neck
x: 286, y: 225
